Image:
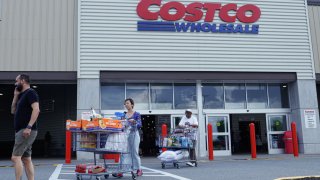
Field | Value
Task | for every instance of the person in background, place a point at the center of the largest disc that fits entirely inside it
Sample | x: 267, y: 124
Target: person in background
x: 189, y: 121
x: 25, y: 107
x: 133, y: 120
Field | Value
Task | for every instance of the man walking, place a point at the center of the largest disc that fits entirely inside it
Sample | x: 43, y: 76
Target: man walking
x: 189, y: 121
x: 25, y: 107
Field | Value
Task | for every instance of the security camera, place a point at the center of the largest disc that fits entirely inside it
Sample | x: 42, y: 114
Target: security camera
x: 150, y: 111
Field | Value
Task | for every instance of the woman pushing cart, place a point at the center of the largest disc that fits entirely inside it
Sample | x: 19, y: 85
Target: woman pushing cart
x: 133, y: 123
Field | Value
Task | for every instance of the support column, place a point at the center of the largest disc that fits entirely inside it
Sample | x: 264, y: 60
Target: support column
x: 88, y: 97
x: 303, y: 96
x: 202, y: 124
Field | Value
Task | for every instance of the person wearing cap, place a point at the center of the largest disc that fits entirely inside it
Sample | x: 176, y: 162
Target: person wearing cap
x: 188, y: 121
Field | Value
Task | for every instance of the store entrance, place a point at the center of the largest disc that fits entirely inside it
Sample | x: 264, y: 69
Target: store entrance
x: 240, y: 133
x: 151, y: 130
x: 148, y: 136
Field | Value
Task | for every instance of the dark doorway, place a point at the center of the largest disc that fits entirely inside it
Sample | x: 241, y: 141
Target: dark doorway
x: 58, y: 103
x: 148, y: 136
x: 240, y: 133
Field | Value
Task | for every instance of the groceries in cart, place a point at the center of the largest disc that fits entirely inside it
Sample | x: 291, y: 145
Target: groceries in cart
x: 90, y: 169
x: 177, y: 140
x: 100, y: 136
x: 88, y: 140
x: 91, y: 121
x: 169, y: 156
x: 117, y: 142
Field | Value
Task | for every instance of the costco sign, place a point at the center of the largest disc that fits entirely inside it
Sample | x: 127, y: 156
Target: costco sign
x: 165, y: 20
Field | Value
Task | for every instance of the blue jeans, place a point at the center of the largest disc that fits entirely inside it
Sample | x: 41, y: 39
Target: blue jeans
x: 133, y: 151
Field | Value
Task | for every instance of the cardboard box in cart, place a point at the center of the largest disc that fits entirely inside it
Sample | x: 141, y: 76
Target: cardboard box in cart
x: 109, y: 123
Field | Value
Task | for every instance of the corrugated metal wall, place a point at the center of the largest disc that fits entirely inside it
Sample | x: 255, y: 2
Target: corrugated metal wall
x: 314, y: 19
x: 38, y: 35
x: 109, y: 41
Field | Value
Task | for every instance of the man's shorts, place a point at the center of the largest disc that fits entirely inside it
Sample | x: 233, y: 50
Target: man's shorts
x: 22, y: 146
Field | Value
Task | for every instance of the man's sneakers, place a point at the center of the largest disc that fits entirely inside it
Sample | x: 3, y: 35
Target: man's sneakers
x: 139, y: 172
x: 190, y: 164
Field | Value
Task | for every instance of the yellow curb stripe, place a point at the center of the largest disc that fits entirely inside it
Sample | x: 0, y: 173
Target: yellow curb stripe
x: 297, y: 177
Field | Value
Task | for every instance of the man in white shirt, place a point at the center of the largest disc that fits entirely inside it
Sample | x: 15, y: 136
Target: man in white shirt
x: 190, y: 121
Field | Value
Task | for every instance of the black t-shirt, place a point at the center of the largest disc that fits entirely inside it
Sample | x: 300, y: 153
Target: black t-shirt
x: 24, y: 110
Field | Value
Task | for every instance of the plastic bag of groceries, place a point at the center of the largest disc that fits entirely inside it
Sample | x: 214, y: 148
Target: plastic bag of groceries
x: 167, y: 156
x: 181, y: 154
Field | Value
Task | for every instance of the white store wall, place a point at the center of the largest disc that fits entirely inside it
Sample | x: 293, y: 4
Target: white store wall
x: 109, y: 40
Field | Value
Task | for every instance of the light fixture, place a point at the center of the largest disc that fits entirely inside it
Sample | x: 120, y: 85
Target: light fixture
x: 1, y: 94
x: 284, y: 86
x: 34, y: 87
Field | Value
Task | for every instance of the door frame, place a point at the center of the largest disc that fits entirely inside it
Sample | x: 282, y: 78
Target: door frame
x: 172, y: 123
x: 220, y: 152
x: 269, y: 132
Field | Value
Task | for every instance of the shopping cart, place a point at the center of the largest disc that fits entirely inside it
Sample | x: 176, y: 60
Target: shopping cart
x: 183, y: 140
x: 112, y: 141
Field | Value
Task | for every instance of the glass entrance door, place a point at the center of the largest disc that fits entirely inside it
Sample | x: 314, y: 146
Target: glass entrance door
x: 277, y: 125
x: 175, y: 120
x: 221, y: 133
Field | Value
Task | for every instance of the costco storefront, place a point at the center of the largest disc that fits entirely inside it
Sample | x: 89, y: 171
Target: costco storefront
x: 231, y: 62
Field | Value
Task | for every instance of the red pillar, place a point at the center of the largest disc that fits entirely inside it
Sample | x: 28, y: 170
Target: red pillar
x: 210, y: 142
x: 295, y: 139
x: 253, y: 141
x: 68, y: 147
x: 164, y: 135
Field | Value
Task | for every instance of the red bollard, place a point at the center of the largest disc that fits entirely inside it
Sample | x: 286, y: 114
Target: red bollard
x: 253, y: 141
x: 295, y: 139
x: 164, y: 135
x: 210, y: 142
x: 68, y: 147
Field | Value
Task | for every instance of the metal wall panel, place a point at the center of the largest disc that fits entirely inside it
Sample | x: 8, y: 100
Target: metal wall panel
x: 314, y: 18
x: 109, y: 40
x: 38, y: 35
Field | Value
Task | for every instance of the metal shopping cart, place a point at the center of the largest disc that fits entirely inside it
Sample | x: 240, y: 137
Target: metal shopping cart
x: 111, y: 141
x: 180, y: 141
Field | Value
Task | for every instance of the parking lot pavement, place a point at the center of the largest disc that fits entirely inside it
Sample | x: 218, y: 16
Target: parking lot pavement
x: 265, y: 167
x: 66, y: 172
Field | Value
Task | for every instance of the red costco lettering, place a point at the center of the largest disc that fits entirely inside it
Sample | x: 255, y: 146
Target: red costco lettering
x: 195, y: 11
x: 164, y: 11
x: 224, y: 16
x: 143, y: 9
x: 256, y: 13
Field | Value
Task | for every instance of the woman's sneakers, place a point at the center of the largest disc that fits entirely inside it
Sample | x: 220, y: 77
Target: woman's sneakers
x: 139, y: 172
x: 119, y: 175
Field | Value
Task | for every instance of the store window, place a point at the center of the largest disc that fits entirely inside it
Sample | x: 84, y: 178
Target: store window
x: 257, y: 96
x: 185, y: 96
x: 213, y: 96
x: 161, y: 96
x: 235, y: 96
x: 112, y: 96
x: 139, y: 92
x: 277, y: 123
x: 278, y: 96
